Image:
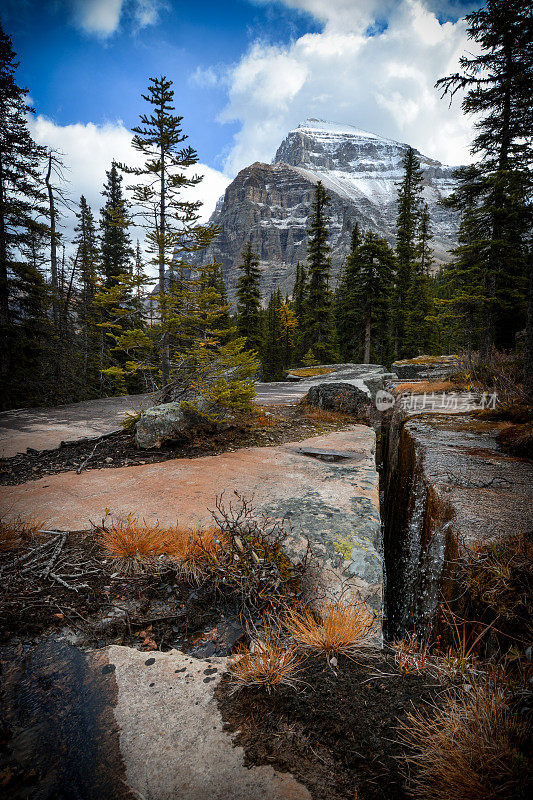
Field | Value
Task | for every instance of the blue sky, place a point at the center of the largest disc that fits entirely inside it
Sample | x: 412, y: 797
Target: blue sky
x: 75, y: 75
x: 245, y: 73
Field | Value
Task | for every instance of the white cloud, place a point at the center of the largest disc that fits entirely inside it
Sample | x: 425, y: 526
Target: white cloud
x: 88, y: 151
x: 206, y: 77
x: 383, y: 83
x: 102, y: 17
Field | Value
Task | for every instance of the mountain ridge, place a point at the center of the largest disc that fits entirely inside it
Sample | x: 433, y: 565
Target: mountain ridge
x: 270, y: 203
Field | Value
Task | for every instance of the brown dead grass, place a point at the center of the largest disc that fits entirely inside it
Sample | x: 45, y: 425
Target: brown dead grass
x: 471, y: 748
x: 269, y: 663
x: 425, y: 387
x: 315, y: 414
x: 194, y: 550
x: 310, y: 372
x: 135, y: 545
x: 14, y: 532
x: 339, y: 628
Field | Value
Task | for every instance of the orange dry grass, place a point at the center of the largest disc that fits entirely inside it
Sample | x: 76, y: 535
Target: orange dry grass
x: 316, y: 414
x: 270, y: 665
x: 340, y: 629
x: 133, y: 544
x: 310, y: 372
x: 14, y: 532
x: 425, y: 387
x: 472, y: 748
x: 194, y: 550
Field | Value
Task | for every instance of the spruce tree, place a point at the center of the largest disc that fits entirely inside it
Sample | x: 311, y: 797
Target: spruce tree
x: 249, y: 299
x: 298, y: 306
x: 171, y: 222
x: 499, y: 84
x: 21, y: 197
x: 88, y: 265
x: 419, y: 326
x: 409, y: 201
x: 372, y: 292
x: 116, y: 250
x: 318, y: 330
x: 347, y: 310
x: 273, y: 340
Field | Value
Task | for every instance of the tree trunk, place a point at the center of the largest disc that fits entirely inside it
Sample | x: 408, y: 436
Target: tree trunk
x: 165, y: 359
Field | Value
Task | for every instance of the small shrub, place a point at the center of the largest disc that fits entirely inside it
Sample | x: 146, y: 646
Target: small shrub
x: 471, y: 748
x: 129, y: 421
x: 269, y: 663
x: 340, y: 628
x: 316, y: 414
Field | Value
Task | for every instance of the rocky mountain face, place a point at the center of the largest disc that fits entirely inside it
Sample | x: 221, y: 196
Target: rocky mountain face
x: 270, y: 203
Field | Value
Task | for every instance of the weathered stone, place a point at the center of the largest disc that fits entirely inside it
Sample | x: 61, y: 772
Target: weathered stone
x: 333, y: 504
x: 172, y: 736
x: 343, y: 396
x: 425, y: 368
x: 173, y: 421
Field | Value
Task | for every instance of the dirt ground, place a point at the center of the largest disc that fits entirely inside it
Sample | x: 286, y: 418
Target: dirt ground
x: 337, y: 732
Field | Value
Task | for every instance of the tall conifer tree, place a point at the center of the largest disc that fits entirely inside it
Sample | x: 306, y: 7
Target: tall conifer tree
x: 347, y: 309
x: 116, y: 249
x: 21, y: 196
x: 409, y: 201
x: 249, y: 299
x: 318, y: 331
x: 498, y: 189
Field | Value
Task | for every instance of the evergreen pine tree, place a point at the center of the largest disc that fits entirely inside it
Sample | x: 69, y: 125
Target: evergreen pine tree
x: 172, y: 229
x: 88, y: 267
x: 407, y: 221
x: 249, y: 299
x: 298, y: 306
x: 318, y: 330
x: 273, y: 340
x: 499, y: 84
x: 347, y: 312
x: 116, y: 250
x: 21, y: 200
x: 372, y: 290
x: 419, y: 331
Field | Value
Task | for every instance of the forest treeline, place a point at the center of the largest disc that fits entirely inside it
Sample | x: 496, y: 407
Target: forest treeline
x: 88, y: 324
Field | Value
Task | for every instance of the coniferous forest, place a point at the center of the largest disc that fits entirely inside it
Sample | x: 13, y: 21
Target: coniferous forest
x: 80, y: 319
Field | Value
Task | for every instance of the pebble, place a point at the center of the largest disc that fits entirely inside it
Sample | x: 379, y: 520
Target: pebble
x: 109, y: 460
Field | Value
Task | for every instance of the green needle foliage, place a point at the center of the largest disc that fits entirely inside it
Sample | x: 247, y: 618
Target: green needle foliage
x: 249, y: 323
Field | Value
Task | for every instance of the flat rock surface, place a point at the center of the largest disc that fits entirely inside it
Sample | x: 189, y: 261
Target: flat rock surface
x: 334, y: 503
x: 119, y: 723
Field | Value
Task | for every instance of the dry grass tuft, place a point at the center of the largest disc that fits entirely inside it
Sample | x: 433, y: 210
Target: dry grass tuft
x: 269, y: 663
x: 315, y: 414
x: 340, y: 629
x: 311, y: 372
x: 14, y: 532
x: 425, y: 387
x: 194, y: 550
x: 471, y: 748
x: 133, y: 544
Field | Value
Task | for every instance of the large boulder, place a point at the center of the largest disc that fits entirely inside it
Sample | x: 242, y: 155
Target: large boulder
x: 173, y: 421
x: 343, y: 396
